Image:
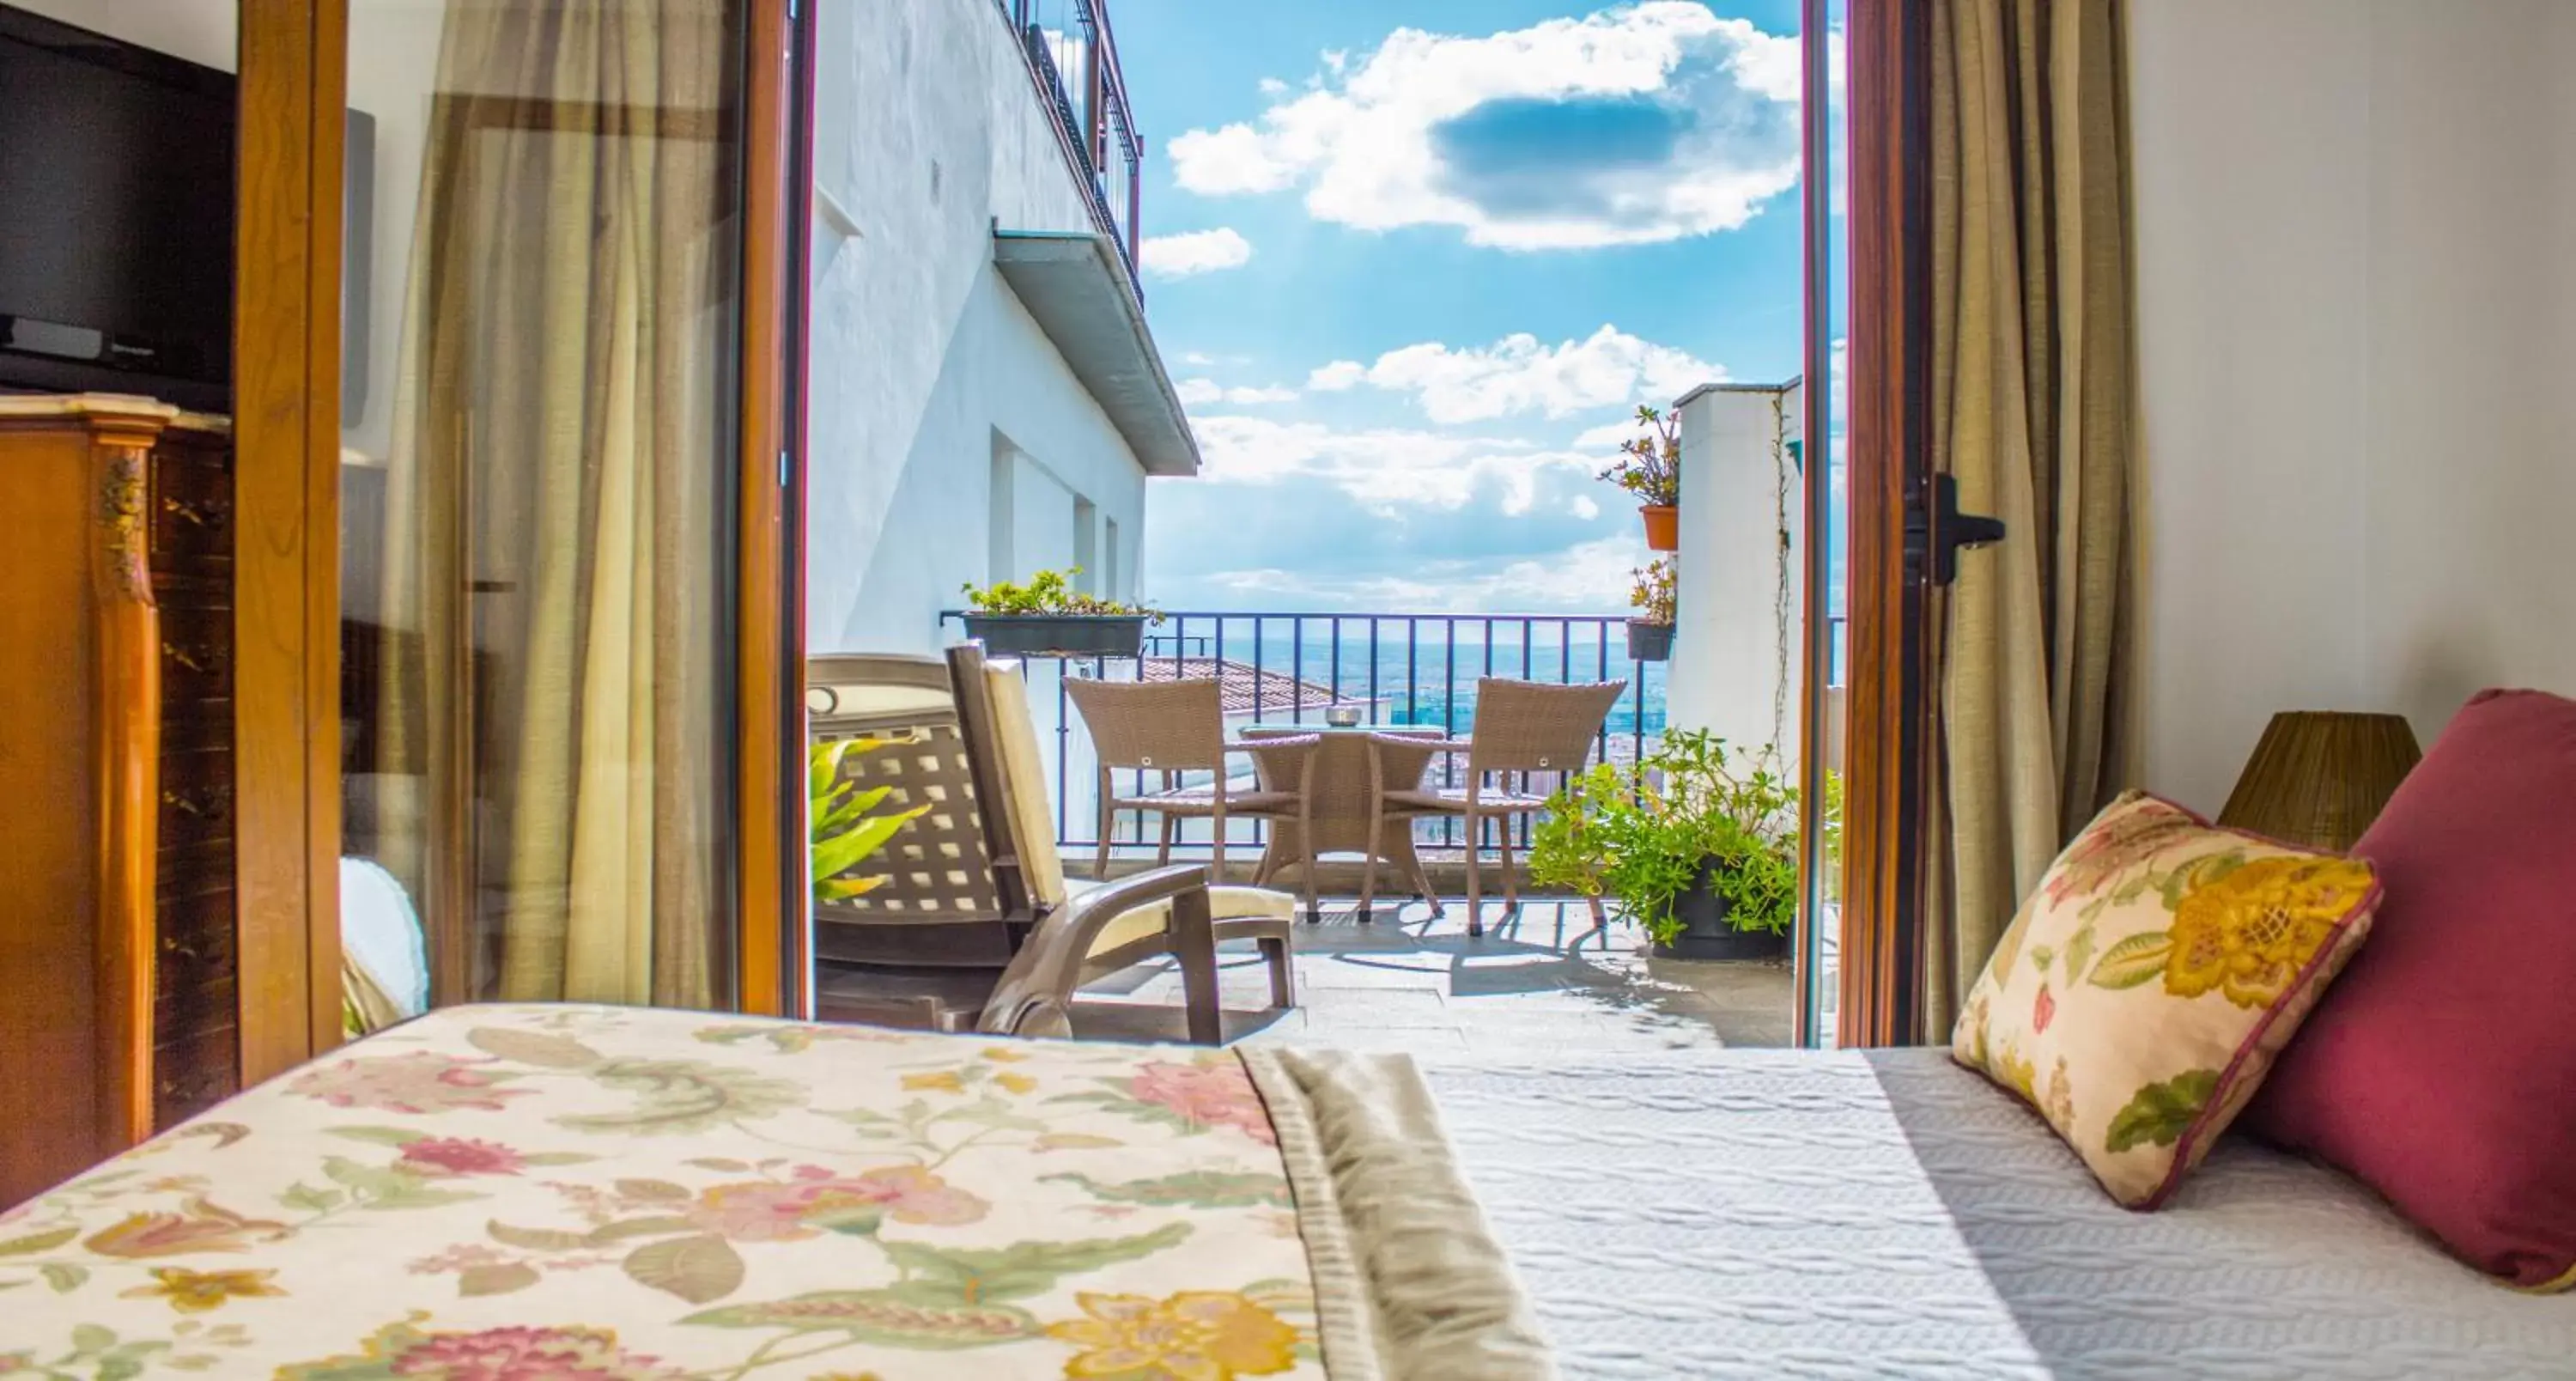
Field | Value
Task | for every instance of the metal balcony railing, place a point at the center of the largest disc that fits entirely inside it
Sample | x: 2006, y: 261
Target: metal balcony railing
x: 1409, y: 670
x: 1073, y: 59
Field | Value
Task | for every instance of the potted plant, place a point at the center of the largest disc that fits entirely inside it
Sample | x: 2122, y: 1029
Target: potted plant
x: 1700, y: 852
x: 1650, y: 629
x: 1650, y: 467
x: 841, y: 832
x: 1047, y: 617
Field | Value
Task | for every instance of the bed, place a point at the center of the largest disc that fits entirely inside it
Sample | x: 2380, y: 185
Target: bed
x: 1889, y: 1214
x: 574, y: 1193
x: 537, y: 1192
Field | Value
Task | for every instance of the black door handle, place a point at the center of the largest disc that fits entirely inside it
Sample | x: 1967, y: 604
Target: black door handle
x: 1936, y: 532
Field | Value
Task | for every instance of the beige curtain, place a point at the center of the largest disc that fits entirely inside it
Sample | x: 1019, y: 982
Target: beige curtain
x: 2033, y: 381
x: 556, y: 501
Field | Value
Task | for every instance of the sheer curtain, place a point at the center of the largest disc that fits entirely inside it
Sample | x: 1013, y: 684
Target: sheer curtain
x: 2033, y: 394
x: 557, y: 554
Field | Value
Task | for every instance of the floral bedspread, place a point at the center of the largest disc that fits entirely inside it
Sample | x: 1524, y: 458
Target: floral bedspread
x: 598, y: 1194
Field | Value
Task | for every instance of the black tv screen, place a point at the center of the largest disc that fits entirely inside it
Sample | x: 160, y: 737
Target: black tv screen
x: 116, y: 216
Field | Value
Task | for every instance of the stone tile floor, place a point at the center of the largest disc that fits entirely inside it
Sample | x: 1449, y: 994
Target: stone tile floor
x: 1538, y: 986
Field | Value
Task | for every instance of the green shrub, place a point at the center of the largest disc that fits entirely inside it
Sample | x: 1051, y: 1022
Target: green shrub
x: 1646, y: 838
x: 1049, y: 592
x: 843, y: 833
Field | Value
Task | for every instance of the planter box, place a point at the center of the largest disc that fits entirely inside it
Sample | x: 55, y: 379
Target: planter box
x: 1059, y: 635
x: 1649, y: 642
x: 1707, y: 934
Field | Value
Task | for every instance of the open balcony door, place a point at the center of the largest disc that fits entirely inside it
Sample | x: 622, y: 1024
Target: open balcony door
x: 296, y: 500
x: 1869, y: 701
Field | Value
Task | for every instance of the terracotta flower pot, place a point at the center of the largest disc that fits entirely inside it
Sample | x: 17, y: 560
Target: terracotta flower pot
x: 1663, y: 526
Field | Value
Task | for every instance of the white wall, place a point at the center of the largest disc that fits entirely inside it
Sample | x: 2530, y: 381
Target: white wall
x: 928, y: 134
x: 1728, y: 671
x: 2355, y: 318
x: 202, y: 31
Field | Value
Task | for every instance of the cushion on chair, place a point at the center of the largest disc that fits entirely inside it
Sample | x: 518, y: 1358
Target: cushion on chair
x: 1224, y: 904
x: 2144, y: 990
x: 1024, y: 771
x: 2442, y: 1072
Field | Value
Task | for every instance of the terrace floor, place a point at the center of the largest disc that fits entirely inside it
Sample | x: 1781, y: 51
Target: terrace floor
x: 1538, y: 987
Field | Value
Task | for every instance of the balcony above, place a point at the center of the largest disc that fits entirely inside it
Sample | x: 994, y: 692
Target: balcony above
x: 1077, y: 287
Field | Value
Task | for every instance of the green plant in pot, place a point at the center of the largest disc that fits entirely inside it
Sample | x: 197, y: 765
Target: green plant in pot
x: 1047, y: 617
x: 1650, y: 467
x: 842, y: 833
x: 1650, y: 628
x: 1699, y: 847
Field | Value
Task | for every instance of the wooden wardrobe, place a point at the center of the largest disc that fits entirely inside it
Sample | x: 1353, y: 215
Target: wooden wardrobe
x: 118, y: 935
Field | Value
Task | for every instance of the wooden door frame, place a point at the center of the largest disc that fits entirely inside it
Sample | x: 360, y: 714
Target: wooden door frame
x: 1887, y: 773
x: 286, y: 512
x: 286, y: 420
x: 770, y: 881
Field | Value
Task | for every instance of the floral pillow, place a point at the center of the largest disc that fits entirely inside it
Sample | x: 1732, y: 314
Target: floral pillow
x: 2144, y: 990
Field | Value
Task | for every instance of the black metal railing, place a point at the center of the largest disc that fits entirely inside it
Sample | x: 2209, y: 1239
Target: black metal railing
x: 1073, y: 58
x: 1398, y: 670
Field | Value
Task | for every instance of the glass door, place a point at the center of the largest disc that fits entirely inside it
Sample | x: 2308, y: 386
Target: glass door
x: 1818, y: 953
x: 543, y: 502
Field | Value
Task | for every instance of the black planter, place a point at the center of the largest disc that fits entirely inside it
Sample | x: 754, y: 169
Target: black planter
x: 1649, y: 642
x: 1706, y: 933
x: 1058, y: 635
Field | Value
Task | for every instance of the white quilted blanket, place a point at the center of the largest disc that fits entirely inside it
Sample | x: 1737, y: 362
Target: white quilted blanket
x: 1887, y: 1214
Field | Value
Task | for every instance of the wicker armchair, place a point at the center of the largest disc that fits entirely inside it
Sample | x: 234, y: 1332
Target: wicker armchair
x: 974, y: 926
x: 1177, y: 727
x: 1521, y: 727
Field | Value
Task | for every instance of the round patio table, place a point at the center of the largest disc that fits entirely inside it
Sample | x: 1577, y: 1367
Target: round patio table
x: 1342, y: 800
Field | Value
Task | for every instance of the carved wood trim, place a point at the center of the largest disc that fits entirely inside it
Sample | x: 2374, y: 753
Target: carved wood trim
x: 127, y: 748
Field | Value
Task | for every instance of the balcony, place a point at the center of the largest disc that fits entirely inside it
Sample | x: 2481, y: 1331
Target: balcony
x: 1072, y: 56
x: 1560, y: 970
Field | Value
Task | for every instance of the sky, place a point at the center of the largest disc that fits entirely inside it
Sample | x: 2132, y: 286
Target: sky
x: 1414, y: 263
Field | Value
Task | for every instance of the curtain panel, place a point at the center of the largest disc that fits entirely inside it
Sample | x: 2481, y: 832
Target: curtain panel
x: 557, y: 559
x: 2033, y: 407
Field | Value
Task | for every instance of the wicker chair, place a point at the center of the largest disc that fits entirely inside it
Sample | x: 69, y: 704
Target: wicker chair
x: 1176, y: 727
x: 973, y: 927
x: 1521, y: 727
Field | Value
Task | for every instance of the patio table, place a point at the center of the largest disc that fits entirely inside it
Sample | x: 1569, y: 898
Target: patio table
x: 1341, y: 800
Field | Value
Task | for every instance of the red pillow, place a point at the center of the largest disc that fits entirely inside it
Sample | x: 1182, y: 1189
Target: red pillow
x: 2441, y: 1070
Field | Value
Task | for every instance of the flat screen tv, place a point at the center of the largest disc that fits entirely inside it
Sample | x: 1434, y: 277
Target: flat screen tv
x: 116, y: 216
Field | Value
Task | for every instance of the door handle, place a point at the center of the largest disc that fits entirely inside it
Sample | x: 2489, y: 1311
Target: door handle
x: 1936, y: 531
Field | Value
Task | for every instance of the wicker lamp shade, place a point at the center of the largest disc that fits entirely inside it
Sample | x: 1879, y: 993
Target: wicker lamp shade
x: 2319, y: 779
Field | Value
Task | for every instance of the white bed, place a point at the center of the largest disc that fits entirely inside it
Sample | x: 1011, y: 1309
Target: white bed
x: 1887, y: 1214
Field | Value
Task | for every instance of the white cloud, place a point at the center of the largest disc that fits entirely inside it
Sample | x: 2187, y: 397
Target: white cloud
x: 1272, y: 86
x: 1194, y: 252
x: 1633, y: 125
x: 1584, y: 507
x: 1228, y: 160
x: 1338, y: 377
x: 1609, y: 436
x: 1195, y: 392
x: 1589, y: 577
x: 1518, y: 374
x: 1386, y: 469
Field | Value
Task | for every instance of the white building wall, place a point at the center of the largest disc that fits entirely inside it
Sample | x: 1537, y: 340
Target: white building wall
x: 1736, y: 667
x: 2356, y: 315
x: 928, y: 135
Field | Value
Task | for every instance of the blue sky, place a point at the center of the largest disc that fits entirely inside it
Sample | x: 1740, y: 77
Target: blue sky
x: 1411, y: 261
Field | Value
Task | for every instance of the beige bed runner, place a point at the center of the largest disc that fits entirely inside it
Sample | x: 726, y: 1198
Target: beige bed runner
x: 1409, y: 1281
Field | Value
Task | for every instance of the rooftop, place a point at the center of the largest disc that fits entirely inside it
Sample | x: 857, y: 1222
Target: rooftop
x: 1243, y: 688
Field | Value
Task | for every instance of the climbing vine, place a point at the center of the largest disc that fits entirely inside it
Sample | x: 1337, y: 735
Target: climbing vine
x: 1780, y: 582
